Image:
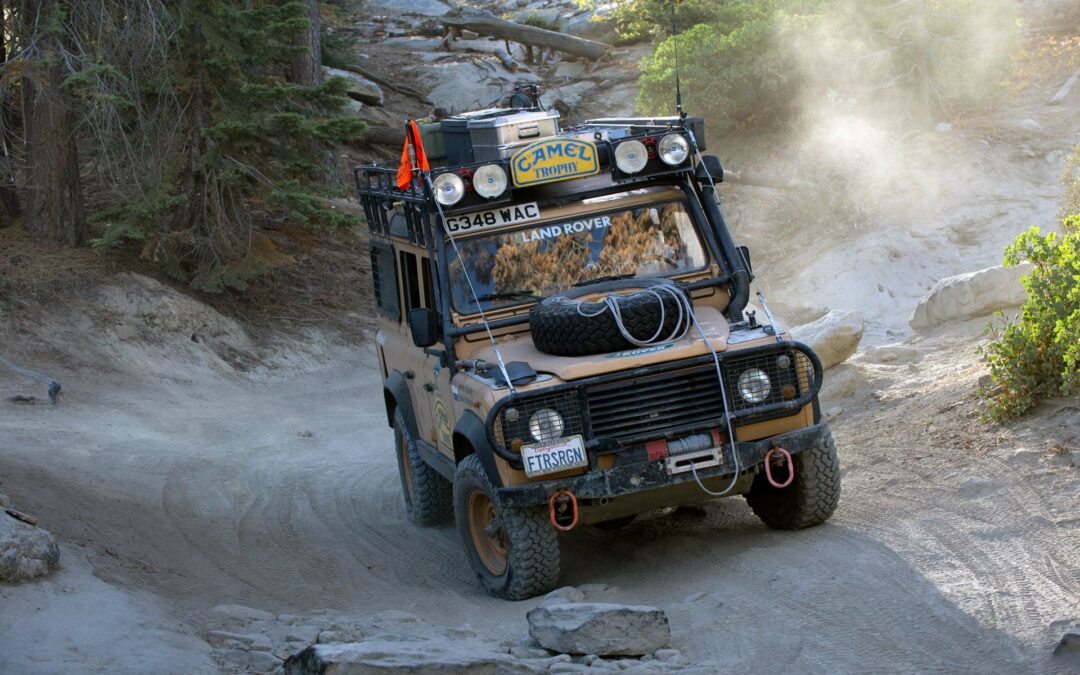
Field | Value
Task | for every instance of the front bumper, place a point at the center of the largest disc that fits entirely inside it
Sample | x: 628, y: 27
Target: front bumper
x: 643, y: 476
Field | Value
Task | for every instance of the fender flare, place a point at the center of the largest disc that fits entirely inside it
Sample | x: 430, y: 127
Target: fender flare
x: 396, y: 395
x: 470, y: 429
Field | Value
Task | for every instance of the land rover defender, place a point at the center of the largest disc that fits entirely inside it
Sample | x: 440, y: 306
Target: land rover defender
x: 565, y: 340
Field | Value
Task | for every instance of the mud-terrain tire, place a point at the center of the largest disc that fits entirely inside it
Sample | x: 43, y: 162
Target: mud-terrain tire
x: 513, y: 551
x: 810, y: 499
x: 557, y: 327
x: 428, y: 497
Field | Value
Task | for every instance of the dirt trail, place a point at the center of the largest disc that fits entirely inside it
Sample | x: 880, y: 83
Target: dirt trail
x: 278, y: 490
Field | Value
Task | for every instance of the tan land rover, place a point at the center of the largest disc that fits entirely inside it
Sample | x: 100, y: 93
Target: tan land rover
x: 564, y: 340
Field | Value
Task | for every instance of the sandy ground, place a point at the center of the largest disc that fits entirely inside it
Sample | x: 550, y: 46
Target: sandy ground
x: 199, y: 483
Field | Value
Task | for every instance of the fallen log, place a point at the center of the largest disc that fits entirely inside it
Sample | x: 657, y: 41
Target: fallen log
x: 380, y: 135
x: 486, y: 23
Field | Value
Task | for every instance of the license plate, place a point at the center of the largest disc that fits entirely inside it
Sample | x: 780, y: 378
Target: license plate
x: 566, y: 453
x: 482, y: 220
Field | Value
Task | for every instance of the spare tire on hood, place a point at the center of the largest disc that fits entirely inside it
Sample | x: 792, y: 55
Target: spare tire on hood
x: 566, y: 328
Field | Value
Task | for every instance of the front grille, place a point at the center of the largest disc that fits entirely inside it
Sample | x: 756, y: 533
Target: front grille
x: 649, y: 406
x: 653, y: 405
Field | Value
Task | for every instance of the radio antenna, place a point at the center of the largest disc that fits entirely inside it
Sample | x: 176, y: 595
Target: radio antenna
x: 675, y: 37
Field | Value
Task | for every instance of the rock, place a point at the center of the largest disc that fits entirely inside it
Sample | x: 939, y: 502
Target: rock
x: 396, y: 7
x: 360, y: 88
x: 570, y: 70
x: 841, y: 382
x: 834, y: 337
x: 830, y: 415
x: 943, y: 128
x: 594, y: 24
x: 562, y: 596
x: 545, y: 15
x: 971, y: 295
x: 521, y: 652
x: 568, y: 668
x: 665, y: 654
x: 599, y: 628
x: 460, y: 86
x: 253, y: 641
x: 893, y: 354
x: 1029, y: 124
x: 430, y: 656
x: 5, y: 501
x: 242, y: 613
x: 1069, y: 644
x: 244, y: 661
x: 26, y: 552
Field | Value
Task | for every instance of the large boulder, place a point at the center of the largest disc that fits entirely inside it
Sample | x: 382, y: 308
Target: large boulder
x: 26, y: 552
x: 443, y: 656
x: 396, y: 7
x: 971, y: 295
x: 600, y: 629
x: 834, y: 337
x: 360, y: 88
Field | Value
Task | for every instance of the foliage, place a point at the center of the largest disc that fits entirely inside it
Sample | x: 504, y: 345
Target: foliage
x: 749, y: 63
x: 730, y: 71
x: 537, y: 21
x: 1071, y: 180
x: 1038, y: 355
x: 254, y: 144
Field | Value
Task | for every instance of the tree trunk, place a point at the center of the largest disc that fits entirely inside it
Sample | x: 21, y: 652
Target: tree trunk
x: 9, y: 198
x: 54, y: 205
x: 306, y: 69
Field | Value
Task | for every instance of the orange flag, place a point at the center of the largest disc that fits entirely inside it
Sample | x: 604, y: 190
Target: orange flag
x: 406, y: 168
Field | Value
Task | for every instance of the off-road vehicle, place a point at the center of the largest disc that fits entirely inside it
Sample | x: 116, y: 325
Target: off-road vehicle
x: 565, y: 340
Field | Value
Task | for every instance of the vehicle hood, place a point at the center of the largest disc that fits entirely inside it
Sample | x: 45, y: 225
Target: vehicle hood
x: 519, y: 347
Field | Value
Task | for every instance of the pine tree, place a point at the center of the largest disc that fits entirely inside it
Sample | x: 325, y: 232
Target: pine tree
x: 254, y: 143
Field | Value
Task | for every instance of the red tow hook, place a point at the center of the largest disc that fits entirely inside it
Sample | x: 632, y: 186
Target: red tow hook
x: 573, y: 509
x: 790, y: 468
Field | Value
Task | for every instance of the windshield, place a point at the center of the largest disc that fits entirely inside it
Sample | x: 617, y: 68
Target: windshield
x: 526, y: 264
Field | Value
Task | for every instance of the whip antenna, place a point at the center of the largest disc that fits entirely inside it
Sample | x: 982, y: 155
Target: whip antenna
x: 675, y: 37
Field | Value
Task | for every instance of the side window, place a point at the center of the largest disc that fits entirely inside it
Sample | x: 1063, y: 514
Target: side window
x: 429, y: 288
x: 410, y: 279
x: 384, y: 279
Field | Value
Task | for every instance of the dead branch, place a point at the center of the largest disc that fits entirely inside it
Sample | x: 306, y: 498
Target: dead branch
x: 486, y: 23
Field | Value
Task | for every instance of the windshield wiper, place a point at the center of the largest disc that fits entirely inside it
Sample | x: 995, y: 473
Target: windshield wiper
x: 612, y: 277
x: 507, y: 295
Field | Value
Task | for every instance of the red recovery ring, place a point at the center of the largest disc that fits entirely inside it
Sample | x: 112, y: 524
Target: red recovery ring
x: 573, y: 505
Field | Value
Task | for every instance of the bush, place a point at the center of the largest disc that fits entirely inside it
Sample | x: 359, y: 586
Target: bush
x: 1038, y: 355
x: 731, y: 71
x: 1071, y: 180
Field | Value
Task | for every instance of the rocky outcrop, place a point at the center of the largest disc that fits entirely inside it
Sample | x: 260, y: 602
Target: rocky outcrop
x: 359, y: 88
x: 971, y: 295
x: 834, y: 337
x: 26, y: 552
x: 445, y: 657
x: 600, y: 629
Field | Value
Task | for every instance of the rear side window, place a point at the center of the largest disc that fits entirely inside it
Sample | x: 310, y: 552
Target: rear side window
x: 384, y: 280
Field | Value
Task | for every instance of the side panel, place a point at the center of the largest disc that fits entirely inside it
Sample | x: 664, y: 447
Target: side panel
x: 471, y: 429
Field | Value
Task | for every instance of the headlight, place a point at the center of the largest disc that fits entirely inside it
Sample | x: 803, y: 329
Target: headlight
x: 449, y: 189
x: 630, y: 156
x: 754, y: 385
x: 673, y: 149
x: 489, y: 181
x: 546, y: 425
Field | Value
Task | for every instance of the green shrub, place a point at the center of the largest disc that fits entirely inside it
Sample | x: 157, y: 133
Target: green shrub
x: 1037, y: 356
x: 1071, y: 180
x: 732, y: 72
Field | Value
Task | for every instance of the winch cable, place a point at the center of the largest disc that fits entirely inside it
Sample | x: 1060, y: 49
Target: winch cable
x: 687, y: 317
x: 472, y: 289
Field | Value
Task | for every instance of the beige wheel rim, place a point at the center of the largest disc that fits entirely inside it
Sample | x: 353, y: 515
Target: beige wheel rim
x: 487, y: 533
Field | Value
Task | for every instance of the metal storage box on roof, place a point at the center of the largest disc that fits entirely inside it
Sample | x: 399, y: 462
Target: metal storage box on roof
x: 493, y: 134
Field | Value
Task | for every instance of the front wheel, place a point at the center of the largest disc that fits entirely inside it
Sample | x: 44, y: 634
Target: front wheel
x: 513, y: 551
x: 810, y: 499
